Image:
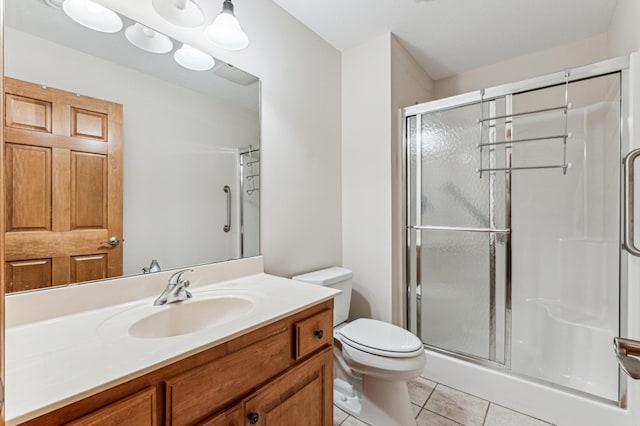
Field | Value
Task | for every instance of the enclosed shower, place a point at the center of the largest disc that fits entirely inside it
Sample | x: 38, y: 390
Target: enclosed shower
x: 514, y: 228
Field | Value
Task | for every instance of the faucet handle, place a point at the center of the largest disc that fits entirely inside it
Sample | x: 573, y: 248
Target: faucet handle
x: 176, y: 278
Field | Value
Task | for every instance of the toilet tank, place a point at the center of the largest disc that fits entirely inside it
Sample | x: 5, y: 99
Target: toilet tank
x: 335, y: 277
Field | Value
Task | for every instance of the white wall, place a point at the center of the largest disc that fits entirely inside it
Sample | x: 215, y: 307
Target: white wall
x: 300, y: 140
x: 366, y: 176
x: 582, y: 52
x: 377, y: 78
x: 624, y: 30
x: 178, y: 152
x: 409, y: 85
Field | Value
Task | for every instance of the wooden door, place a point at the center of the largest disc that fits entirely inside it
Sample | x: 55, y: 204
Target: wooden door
x: 63, y: 187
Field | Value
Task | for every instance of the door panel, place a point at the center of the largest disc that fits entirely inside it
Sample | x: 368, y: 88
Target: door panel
x: 88, y: 190
x: 89, y: 124
x: 87, y: 268
x: 28, y: 275
x: 28, y: 188
x: 64, y: 174
x: 28, y: 113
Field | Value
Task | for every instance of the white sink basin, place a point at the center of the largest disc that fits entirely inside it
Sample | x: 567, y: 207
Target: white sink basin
x: 188, y: 317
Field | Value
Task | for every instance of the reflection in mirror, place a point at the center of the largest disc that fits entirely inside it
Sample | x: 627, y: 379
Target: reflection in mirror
x: 116, y: 157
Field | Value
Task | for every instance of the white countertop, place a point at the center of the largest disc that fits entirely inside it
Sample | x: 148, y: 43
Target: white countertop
x: 53, y: 362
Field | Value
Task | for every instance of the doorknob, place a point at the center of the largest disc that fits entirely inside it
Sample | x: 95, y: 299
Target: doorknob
x: 113, y: 242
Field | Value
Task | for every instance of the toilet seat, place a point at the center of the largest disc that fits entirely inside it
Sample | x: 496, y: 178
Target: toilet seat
x: 380, y: 338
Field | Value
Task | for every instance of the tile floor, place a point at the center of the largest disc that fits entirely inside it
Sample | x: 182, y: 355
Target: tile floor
x: 438, y: 405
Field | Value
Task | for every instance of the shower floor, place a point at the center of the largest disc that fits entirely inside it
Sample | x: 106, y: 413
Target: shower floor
x: 438, y: 405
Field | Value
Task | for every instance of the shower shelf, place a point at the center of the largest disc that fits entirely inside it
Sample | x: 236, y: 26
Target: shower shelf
x: 541, y: 138
x: 564, y: 166
x: 518, y: 114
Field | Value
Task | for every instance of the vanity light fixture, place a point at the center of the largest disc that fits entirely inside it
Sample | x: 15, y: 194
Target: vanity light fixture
x: 185, y: 13
x: 193, y: 59
x: 147, y: 39
x: 225, y: 31
x: 92, y: 15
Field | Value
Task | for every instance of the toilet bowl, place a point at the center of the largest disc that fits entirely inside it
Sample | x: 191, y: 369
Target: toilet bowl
x: 372, y: 359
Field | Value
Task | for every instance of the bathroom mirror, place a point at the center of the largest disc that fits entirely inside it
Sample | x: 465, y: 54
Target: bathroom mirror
x: 85, y: 109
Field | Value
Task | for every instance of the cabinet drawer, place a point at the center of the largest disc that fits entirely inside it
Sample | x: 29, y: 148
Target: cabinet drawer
x: 312, y: 333
x: 136, y: 410
x: 196, y: 394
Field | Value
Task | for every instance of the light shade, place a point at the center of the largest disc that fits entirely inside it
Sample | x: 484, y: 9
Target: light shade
x: 225, y: 31
x: 92, y: 15
x: 184, y: 13
x: 193, y: 59
x: 148, y: 39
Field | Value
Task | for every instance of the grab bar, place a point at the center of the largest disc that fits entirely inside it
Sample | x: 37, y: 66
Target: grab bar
x: 518, y: 114
x: 457, y: 228
x: 629, y: 166
x: 626, y: 351
x: 564, y: 167
x: 227, y: 227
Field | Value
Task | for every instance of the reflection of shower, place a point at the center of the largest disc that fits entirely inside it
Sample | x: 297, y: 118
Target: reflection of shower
x: 249, y: 201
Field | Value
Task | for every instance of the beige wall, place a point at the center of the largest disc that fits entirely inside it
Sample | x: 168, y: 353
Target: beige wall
x: 300, y: 146
x: 582, y: 52
x: 624, y: 29
x: 409, y: 85
x: 378, y: 77
x: 366, y: 176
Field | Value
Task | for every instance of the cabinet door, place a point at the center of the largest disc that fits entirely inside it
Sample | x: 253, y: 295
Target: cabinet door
x: 302, y: 396
x: 137, y: 410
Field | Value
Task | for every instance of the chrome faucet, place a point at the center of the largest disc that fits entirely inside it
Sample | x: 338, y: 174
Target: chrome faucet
x: 154, y: 267
x: 176, y: 290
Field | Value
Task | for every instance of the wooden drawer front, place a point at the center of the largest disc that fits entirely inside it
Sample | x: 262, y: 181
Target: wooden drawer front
x: 312, y: 333
x: 230, y: 417
x: 301, y: 396
x: 196, y: 394
x: 137, y: 410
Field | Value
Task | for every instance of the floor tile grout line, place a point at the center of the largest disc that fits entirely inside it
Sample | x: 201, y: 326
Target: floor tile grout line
x: 444, y: 417
x: 486, y: 413
x: 430, y: 393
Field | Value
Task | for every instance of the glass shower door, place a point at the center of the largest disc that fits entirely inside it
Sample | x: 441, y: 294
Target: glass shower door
x: 514, y: 230
x: 456, y: 229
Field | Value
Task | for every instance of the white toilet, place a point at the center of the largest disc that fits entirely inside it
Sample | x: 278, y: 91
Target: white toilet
x: 372, y: 359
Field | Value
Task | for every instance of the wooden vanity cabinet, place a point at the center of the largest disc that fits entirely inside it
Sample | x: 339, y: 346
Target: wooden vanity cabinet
x: 261, y: 378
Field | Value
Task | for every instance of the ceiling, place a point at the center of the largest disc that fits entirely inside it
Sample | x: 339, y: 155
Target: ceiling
x: 447, y: 37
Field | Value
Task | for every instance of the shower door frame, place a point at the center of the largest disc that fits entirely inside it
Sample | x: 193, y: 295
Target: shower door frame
x: 413, y: 246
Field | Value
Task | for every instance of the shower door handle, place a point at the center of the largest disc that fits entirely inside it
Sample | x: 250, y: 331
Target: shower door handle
x: 227, y: 227
x: 629, y: 166
x: 627, y: 352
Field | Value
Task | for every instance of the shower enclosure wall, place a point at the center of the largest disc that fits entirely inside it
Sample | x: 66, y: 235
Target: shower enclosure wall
x: 514, y: 257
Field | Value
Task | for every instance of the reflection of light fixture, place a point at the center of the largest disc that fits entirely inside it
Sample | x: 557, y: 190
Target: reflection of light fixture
x: 193, y: 59
x: 56, y: 4
x: 225, y: 31
x: 185, y: 13
x: 92, y: 15
x: 148, y: 39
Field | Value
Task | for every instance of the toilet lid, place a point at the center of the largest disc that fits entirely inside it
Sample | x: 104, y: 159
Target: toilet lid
x: 380, y: 338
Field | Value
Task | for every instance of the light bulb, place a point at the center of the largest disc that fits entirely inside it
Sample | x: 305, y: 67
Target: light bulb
x: 92, y: 15
x: 225, y: 31
x: 193, y: 59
